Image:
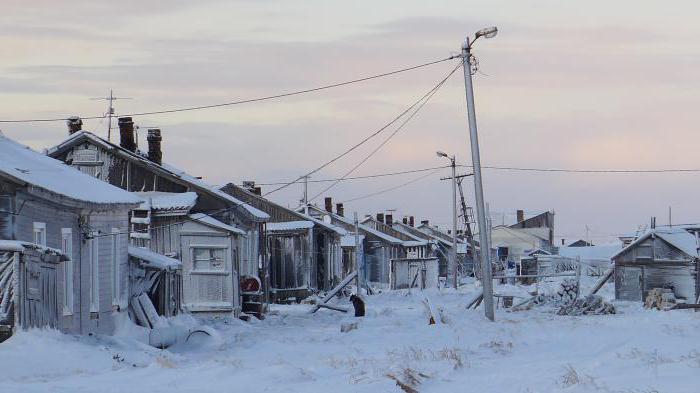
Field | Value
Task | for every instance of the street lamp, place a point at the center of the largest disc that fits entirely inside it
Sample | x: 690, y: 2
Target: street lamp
x: 453, y: 253
x: 485, y: 254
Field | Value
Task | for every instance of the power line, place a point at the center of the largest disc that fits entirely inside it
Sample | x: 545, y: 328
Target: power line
x: 399, y: 128
x: 393, y: 188
x: 249, y: 100
x: 505, y: 168
x: 363, y: 177
x: 363, y: 141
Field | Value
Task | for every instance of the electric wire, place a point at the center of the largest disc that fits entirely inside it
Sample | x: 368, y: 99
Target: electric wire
x: 425, y: 100
x: 249, y: 100
x: 392, y: 188
x: 363, y: 141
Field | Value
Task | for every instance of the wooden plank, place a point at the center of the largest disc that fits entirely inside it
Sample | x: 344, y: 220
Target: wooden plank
x: 139, y: 314
x: 602, y: 280
x: 475, y: 299
x: 150, y: 311
x: 335, y: 290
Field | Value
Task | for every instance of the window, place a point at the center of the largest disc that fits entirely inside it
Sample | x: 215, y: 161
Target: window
x: 209, y: 259
x: 67, y: 249
x: 93, y: 247
x: 40, y: 233
x: 116, y: 258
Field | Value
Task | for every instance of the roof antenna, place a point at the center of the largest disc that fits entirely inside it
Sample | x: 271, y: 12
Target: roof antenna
x: 110, y: 110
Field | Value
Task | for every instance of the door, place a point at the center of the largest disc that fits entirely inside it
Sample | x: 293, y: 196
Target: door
x: 628, y: 283
x: 41, y: 305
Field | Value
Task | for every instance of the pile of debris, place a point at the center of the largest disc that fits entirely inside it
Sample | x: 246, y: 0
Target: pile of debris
x: 567, y: 292
x: 660, y: 299
x: 589, y: 305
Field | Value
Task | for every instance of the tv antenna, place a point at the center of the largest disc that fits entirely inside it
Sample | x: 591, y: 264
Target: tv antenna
x: 110, y: 110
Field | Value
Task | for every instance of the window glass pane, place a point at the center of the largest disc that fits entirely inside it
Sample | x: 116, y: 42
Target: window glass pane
x: 201, y: 254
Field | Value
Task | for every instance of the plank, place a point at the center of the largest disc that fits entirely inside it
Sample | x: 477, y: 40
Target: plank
x: 602, y: 280
x: 334, y: 291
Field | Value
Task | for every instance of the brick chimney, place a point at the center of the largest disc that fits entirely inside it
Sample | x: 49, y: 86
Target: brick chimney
x: 563, y: 241
x: 257, y: 190
x: 339, y: 209
x: 520, y: 215
x: 405, y: 221
x: 425, y: 222
x: 389, y: 220
x: 329, y: 204
x: 155, y: 153
x: 411, y: 221
x: 126, y: 134
x: 380, y: 217
x: 74, y: 124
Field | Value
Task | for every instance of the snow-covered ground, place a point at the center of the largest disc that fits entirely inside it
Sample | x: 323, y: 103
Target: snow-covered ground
x: 634, y: 351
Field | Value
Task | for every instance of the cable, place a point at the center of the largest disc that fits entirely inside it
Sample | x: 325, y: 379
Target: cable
x: 504, y: 168
x: 352, y: 148
x: 250, y: 100
x: 362, y: 177
x: 399, y: 128
x: 392, y: 188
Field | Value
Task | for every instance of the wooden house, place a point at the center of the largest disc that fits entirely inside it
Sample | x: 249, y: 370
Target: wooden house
x: 377, y: 248
x: 660, y: 258
x: 224, y: 244
x: 442, y: 244
x: 305, y: 253
x: 64, y: 256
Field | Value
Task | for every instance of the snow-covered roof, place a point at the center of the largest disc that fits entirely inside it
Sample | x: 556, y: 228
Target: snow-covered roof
x: 171, y: 170
x: 601, y: 252
x: 168, y: 201
x: 349, y: 240
x: 209, y: 220
x: 20, y: 163
x: 288, y: 226
x: 677, y: 237
x: 153, y: 259
x: 21, y: 246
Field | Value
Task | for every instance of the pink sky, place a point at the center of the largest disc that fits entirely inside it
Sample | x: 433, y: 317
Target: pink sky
x: 583, y: 85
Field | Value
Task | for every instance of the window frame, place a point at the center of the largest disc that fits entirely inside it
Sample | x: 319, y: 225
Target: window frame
x: 68, y: 266
x: 115, y: 268
x: 226, y: 258
x: 94, y: 250
x: 40, y: 228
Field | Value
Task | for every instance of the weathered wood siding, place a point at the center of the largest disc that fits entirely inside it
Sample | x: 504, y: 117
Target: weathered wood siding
x: 654, y: 263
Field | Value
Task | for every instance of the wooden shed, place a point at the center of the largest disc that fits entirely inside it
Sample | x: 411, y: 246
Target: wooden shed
x: 660, y: 258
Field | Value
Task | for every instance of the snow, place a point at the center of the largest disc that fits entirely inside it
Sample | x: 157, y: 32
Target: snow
x: 292, y: 351
x: 349, y: 240
x: 206, y: 219
x: 591, y: 253
x: 154, y: 259
x: 289, y: 226
x: 168, y: 200
x: 678, y: 237
x: 23, y: 164
x: 20, y: 246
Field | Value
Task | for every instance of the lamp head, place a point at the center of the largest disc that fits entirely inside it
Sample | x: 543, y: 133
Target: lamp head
x: 441, y: 154
x: 488, y: 32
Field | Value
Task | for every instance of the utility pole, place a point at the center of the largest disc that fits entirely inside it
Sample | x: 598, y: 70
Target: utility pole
x: 359, y: 281
x: 110, y: 110
x: 476, y: 163
x: 455, y: 278
x: 306, y: 194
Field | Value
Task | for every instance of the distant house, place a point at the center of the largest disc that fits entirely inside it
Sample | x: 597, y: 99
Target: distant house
x: 64, y: 248
x: 305, y: 252
x: 218, y: 238
x: 659, y: 258
x: 377, y: 248
x: 580, y: 243
x: 512, y: 244
x: 442, y: 243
